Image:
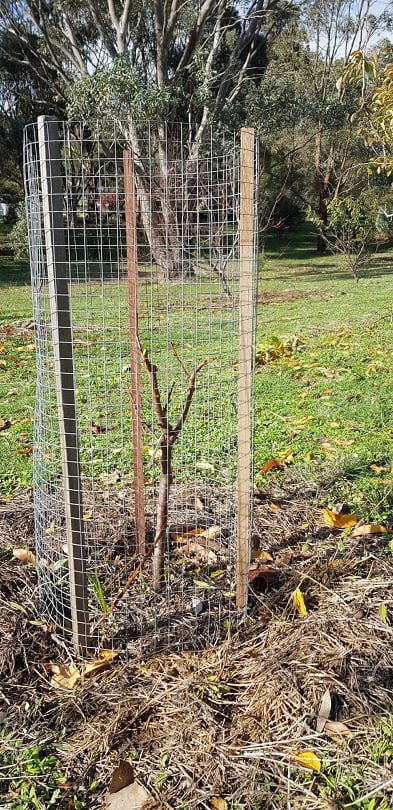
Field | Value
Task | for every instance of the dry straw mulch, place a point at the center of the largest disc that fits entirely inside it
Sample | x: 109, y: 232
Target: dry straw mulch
x: 226, y: 721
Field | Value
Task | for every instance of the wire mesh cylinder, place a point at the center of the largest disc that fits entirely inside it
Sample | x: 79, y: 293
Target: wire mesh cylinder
x: 147, y: 248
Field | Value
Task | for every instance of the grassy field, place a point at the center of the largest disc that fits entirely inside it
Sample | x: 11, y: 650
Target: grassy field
x: 322, y: 393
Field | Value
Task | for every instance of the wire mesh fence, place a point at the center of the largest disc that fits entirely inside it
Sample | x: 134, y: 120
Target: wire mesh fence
x: 143, y: 256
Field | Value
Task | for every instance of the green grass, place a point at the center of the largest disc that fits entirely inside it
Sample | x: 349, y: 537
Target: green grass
x: 328, y: 402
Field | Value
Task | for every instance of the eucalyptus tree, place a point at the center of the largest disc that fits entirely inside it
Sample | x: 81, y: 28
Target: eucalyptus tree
x: 306, y: 121
x: 149, y: 59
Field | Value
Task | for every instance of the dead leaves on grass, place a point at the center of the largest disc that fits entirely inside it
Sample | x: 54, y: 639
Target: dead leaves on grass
x: 341, y: 520
x: 338, y: 521
x: 278, y: 462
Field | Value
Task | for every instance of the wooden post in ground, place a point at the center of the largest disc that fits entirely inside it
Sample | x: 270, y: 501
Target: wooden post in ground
x: 246, y: 304
x: 52, y: 207
x: 135, y: 362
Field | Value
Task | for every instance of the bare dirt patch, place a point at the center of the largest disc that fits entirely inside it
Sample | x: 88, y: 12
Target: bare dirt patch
x: 285, y: 296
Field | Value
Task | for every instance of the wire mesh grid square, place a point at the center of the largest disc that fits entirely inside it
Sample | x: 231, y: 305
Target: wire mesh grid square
x: 136, y: 262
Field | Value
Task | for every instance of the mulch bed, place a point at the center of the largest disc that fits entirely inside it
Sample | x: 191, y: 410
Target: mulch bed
x: 227, y: 720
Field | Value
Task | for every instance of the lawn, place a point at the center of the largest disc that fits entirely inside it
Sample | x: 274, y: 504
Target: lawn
x: 322, y: 386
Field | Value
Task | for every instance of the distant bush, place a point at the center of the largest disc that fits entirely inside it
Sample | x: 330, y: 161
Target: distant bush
x: 18, y: 236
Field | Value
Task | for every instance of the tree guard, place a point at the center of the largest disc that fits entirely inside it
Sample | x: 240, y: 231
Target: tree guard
x: 143, y: 260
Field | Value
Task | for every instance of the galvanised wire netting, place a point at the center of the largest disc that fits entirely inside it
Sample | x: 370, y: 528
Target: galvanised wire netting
x: 143, y: 255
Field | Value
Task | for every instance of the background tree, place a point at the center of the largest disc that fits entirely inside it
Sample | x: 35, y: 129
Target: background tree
x: 310, y: 142
x: 179, y: 60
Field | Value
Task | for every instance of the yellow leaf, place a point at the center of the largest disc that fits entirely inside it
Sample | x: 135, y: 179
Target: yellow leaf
x: 218, y: 804
x: 369, y: 528
x: 262, y: 556
x: 87, y: 516
x: 105, y: 658
x: 338, y: 521
x: 307, y: 759
x: 299, y: 603
x: 24, y: 556
x: 383, y: 613
x: 200, y: 584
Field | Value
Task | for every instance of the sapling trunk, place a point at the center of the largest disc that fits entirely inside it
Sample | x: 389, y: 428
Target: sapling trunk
x: 169, y: 434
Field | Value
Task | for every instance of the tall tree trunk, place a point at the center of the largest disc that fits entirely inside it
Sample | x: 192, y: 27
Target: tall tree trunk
x: 322, y: 184
x: 323, y: 220
x: 161, y: 218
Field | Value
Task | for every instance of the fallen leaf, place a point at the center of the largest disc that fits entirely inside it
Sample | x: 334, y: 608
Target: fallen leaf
x: 284, y: 558
x: 272, y: 464
x: 4, y: 423
x: 309, y: 760
x: 344, y: 442
x: 204, y: 465
x: 198, y: 505
x: 25, y: 452
x: 122, y: 776
x: 212, y: 532
x: 383, y: 613
x: 108, y: 479
x: 327, y: 448
x: 263, y: 556
x: 369, y: 528
x: 375, y: 468
x: 132, y: 797
x: 334, y: 727
x: 201, y: 552
x: 273, y: 506
x: 87, y: 516
x: 218, y: 804
x: 24, y: 556
x: 324, y: 711
x: 200, y: 584
x: 105, y: 658
x: 183, y: 538
x: 340, y: 521
x: 299, y: 603
x: 64, y: 677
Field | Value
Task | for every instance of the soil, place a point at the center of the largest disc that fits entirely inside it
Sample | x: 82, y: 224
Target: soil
x: 227, y: 716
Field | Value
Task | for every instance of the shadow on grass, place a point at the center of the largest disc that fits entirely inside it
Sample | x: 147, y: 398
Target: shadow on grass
x: 13, y: 273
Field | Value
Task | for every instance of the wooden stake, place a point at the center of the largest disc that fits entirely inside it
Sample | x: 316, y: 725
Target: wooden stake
x: 246, y: 244
x: 135, y: 368
x: 52, y: 206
